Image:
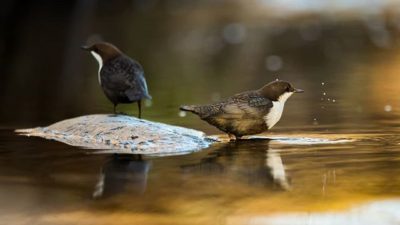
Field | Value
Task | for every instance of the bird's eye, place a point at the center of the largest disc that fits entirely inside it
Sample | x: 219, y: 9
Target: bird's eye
x: 288, y: 89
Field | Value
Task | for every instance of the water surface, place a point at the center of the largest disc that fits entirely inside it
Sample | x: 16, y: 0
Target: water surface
x: 44, y: 182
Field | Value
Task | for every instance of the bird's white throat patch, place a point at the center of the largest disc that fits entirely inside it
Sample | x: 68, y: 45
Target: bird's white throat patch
x: 283, y: 98
x: 275, y: 113
x: 100, y: 61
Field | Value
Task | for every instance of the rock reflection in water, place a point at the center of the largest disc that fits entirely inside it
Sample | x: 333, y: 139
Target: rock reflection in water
x: 250, y: 161
x: 121, y: 173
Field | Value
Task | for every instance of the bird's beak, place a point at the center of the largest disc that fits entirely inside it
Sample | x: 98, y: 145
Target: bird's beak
x: 85, y: 47
x: 296, y: 90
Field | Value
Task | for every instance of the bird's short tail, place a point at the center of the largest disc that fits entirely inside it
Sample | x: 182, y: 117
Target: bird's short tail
x: 189, y: 108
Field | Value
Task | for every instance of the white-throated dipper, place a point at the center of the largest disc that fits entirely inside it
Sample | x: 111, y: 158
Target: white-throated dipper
x: 120, y: 77
x: 247, y: 113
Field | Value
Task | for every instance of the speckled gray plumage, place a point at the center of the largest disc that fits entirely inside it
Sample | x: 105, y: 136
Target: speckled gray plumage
x: 241, y: 114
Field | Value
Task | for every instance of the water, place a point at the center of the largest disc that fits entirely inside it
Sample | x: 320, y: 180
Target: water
x: 333, y: 157
x: 44, y: 182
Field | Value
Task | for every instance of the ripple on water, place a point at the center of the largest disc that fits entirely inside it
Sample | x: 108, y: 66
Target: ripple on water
x: 309, y: 141
x: 295, y: 140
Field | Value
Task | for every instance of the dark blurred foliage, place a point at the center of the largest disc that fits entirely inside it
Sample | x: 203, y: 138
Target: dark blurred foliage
x: 192, y: 52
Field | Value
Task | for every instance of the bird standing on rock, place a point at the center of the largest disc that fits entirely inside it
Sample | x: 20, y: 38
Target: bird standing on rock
x: 247, y: 113
x: 120, y: 77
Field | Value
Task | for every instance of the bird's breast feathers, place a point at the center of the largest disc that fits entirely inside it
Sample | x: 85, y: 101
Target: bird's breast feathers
x: 275, y: 112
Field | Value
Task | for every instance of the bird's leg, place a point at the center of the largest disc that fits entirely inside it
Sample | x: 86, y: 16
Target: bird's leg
x: 139, y: 103
x: 115, y: 110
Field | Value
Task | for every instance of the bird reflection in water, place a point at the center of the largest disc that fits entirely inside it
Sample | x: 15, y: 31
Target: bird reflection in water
x: 245, y: 161
x: 122, y: 173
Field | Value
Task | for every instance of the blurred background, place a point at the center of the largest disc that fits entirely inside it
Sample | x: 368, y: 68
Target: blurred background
x: 345, y: 54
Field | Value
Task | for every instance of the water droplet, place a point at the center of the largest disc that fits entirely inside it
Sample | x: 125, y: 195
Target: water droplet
x: 388, y: 108
x: 333, y: 100
x: 324, y: 93
x: 182, y: 114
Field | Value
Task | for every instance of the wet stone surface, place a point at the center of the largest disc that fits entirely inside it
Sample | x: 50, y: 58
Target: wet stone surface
x: 122, y: 134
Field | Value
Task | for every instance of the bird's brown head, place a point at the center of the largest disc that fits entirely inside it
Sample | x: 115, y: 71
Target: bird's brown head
x: 104, y: 50
x: 278, y: 90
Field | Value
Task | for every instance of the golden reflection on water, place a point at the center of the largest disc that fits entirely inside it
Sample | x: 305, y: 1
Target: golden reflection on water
x: 383, y: 89
x: 228, y: 184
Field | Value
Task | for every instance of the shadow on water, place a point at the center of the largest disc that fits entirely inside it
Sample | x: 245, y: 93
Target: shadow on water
x: 244, y: 161
x: 122, y: 172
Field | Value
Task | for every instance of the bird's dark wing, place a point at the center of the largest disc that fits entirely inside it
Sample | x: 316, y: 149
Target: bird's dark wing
x: 125, y: 76
x: 243, y: 105
x: 246, y: 105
